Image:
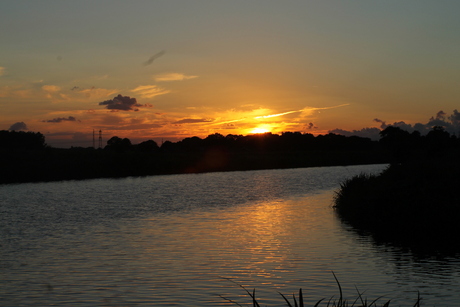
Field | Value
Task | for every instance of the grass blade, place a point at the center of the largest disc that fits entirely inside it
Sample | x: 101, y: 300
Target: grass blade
x: 340, y: 303
x: 317, y: 303
x: 287, y: 301
x: 300, y: 298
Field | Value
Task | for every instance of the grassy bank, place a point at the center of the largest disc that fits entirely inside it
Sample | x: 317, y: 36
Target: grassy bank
x: 414, y: 203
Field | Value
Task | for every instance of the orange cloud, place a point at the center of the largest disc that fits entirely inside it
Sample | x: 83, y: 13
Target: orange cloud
x: 150, y: 91
x: 98, y: 92
x: 51, y: 88
x: 173, y: 77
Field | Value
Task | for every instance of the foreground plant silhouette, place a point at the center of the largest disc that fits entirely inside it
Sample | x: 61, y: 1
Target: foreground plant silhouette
x: 340, y: 302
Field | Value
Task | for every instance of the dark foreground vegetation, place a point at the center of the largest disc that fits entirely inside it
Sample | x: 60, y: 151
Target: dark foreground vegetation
x: 415, y: 202
x: 25, y: 157
x: 340, y: 301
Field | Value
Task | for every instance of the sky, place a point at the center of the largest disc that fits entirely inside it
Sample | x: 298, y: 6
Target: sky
x: 167, y: 70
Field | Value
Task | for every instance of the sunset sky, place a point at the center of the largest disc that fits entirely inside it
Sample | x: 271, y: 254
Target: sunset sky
x: 166, y: 70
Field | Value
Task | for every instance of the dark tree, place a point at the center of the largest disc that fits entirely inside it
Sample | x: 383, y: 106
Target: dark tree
x: 21, y: 140
x: 168, y: 146
x: 438, y: 140
x: 118, y: 144
x: 397, y: 141
x: 148, y: 146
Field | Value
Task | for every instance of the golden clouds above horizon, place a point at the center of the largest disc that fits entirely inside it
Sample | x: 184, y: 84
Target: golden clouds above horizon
x: 150, y: 91
x: 173, y: 77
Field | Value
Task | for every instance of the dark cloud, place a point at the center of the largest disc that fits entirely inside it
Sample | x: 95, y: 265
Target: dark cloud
x: 382, y: 123
x: 441, y: 115
x: 372, y: 133
x: 192, y: 121
x: 75, y: 88
x: 60, y: 119
x: 18, y: 126
x: 311, y: 126
x: 153, y: 58
x: 124, y: 103
x: 403, y: 126
x: 455, y: 118
x: 450, y: 123
x: 130, y: 127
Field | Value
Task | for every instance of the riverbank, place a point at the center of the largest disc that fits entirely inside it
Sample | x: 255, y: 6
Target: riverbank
x: 51, y: 164
x: 414, y: 204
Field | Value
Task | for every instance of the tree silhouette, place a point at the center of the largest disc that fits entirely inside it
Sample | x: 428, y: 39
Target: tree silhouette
x: 148, y: 146
x: 21, y: 140
x: 397, y: 141
x: 118, y: 144
x: 437, y: 140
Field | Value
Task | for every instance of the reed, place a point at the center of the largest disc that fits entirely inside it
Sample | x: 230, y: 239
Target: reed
x: 413, y: 204
x: 298, y: 301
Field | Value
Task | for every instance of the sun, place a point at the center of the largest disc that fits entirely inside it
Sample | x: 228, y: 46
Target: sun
x: 259, y: 130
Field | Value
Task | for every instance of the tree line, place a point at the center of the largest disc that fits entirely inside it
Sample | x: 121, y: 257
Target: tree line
x: 287, y: 141
x: 24, y: 156
x: 394, y: 139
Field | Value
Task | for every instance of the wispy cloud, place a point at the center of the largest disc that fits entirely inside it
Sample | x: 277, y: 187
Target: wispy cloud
x: 51, y: 88
x: 231, y: 121
x: 193, y: 121
x: 53, y: 93
x: 276, y: 115
x: 173, y: 77
x: 153, y: 58
x: 2, y: 70
x: 60, y: 120
x: 327, y: 108
x: 16, y: 92
x: 95, y: 92
x: 150, y: 91
x: 306, y: 109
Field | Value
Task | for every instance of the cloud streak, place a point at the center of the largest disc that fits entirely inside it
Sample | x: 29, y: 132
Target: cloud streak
x: 60, y: 120
x: 173, y: 77
x: 51, y: 88
x: 301, y: 110
x: 276, y: 115
x: 95, y: 92
x: 150, y: 91
x: 153, y: 58
x: 193, y: 121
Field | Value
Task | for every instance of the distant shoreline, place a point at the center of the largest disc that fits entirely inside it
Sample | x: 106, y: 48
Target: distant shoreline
x: 79, y: 164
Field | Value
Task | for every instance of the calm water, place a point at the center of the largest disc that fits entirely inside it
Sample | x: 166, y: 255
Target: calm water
x: 190, y: 240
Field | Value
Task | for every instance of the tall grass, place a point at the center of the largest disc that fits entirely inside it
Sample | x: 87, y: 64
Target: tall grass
x: 414, y: 203
x: 298, y: 301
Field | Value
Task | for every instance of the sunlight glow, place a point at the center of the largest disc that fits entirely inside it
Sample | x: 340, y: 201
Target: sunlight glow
x: 259, y: 130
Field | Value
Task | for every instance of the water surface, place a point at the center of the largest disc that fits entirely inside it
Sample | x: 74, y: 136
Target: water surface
x: 190, y: 240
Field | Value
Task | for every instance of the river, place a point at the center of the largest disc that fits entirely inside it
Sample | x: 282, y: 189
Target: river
x: 197, y: 239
